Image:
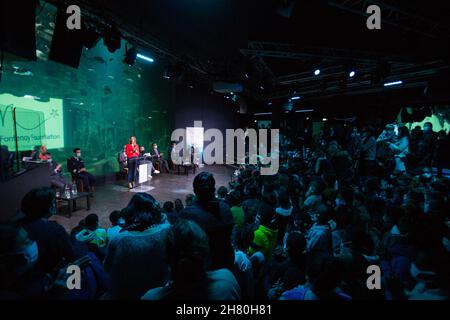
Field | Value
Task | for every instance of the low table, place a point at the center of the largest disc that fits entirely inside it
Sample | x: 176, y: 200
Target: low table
x: 72, y: 200
x: 186, y: 167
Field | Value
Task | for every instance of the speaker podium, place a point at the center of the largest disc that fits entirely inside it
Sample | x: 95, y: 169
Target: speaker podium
x: 144, y: 177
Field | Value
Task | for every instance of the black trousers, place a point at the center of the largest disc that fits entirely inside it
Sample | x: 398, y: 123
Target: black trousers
x: 88, y: 180
x: 132, y: 166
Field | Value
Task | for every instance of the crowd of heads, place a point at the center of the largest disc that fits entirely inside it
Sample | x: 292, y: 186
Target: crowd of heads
x: 310, y: 232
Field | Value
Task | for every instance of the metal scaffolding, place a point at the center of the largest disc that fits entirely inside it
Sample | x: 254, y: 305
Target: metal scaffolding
x: 396, y: 17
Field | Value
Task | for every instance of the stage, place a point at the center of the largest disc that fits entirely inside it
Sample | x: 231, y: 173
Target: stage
x: 115, y: 195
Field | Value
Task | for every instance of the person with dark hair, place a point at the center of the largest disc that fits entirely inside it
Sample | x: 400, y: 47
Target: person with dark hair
x: 132, y: 153
x: 400, y: 148
x: 214, y: 217
x: 222, y: 193
x: 178, y: 205
x: 234, y: 201
x: 313, y: 194
x: 116, y: 224
x: 75, y: 165
x: 92, y: 233
x: 283, y: 212
x: 319, y: 237
x: 187, y: 256
x: 57, y: 179
x: 18, y: 258
x: 367, y: 152
x: 159, y: 159
x: 169, y: 211
x: 189, y: 199
x: 324, y: 278
x: 135, y: 259
x: 21, y: 277
x: 290, y: 272
x: 429, y: 271
x: 52, y: 239
x: 429, y: 139
x: 265, y: 236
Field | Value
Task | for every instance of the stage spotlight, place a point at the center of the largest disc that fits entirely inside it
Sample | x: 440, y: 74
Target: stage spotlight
x: 352, y: 74
x: 111, y: 39
x: 394, y: 83
x: 130, y: 55
x: 317, y: 72
x: 142, y: 57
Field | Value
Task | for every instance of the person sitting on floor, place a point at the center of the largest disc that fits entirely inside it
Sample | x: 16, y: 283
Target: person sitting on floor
x: 117, y: 222
x: 187, y: 256
x: 93, y: 234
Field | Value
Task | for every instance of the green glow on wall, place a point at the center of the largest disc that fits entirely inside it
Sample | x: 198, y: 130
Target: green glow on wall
x: 95, y: 107
x: 38, y: 123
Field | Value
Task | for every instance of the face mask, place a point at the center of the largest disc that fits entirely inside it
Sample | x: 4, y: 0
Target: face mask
x: 78, y: 155
x: 31, y: 253
x: 314, y: 217
x: 339, y: 202
x: 121, y: 222
x: 426, y: 176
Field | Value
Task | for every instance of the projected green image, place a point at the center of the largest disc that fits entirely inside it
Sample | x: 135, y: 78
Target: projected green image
x: 37, y: 123
x: 95, y: 107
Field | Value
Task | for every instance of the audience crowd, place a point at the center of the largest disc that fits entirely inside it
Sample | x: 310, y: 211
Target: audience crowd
x: 311, y: 232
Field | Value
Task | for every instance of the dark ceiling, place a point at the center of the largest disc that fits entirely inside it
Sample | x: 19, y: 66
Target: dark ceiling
x: 226, y: 39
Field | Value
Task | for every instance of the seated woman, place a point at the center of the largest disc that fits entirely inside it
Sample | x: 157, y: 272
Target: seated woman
x: 135, y: 258
x: 43, y: 155
x: 187, y: 255
x: 122, y: 158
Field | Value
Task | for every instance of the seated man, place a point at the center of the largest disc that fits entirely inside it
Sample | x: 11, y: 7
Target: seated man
x: 75, y: 165
x: 122, y: 158
x: 158, y: 158
x: 143, y: 156
x: 56, y: 177
x: 172, y: 160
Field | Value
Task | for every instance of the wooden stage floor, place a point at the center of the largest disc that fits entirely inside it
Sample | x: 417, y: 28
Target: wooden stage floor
x: 115, y: 196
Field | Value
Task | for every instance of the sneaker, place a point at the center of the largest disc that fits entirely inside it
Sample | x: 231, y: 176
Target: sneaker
x: 156, y: 172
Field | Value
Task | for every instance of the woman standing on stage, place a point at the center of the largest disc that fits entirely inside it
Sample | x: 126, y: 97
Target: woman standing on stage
x: 132, y: 151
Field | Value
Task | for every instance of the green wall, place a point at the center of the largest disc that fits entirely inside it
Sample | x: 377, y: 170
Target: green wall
x: 95, y: 107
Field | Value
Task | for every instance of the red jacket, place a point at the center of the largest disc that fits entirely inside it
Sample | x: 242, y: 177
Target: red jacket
x: 132, y: 152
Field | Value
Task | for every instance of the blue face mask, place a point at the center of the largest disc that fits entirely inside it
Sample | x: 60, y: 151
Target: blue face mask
x: 339, y: 202
x: 31, y: 255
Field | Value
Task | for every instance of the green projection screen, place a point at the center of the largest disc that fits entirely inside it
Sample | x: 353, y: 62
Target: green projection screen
x: 38, y: 123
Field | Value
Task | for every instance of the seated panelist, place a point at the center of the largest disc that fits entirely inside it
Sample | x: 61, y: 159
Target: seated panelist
x: 76, y: 167
x: 157, y: 157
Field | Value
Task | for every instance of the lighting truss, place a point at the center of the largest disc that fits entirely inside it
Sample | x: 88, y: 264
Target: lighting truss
x: 396, y: 17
